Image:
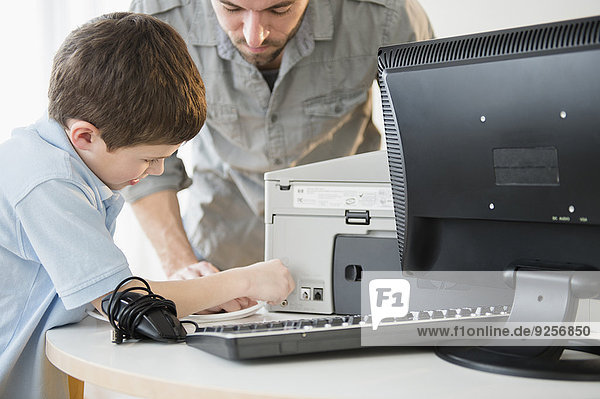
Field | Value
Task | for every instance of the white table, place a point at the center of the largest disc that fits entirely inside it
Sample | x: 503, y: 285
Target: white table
x: 156, y: 370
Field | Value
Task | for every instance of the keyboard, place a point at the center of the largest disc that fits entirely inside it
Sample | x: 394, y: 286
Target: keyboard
x: 264, y: 337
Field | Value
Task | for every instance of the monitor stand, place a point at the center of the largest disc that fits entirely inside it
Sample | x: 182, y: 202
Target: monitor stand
x: 540, y: 296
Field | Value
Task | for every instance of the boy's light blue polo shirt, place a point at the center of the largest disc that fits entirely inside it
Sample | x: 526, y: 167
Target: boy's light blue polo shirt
x: 56, y: 252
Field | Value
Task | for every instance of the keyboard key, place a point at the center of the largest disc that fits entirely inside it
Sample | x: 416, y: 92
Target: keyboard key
x: 465, y: 312
x: 423, y: 315
x: 261, y: 327
x: 322, y: 322
x: 292, y: 324
x: 484, y: 310
x: 276, y: 325
x: 305, y: 323
x: 498, y: 309
x: 437, y: 314
x: 408, y: 317
x: 451, y: 313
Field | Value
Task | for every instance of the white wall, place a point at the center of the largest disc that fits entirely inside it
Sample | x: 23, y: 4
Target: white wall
x: 458, y: 17
x: 30, y: 33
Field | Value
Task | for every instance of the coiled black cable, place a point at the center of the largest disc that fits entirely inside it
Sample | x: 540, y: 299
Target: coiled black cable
x: 125, y: 309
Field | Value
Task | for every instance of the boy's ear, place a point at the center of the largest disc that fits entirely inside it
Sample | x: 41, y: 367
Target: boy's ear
x: 83, y: 134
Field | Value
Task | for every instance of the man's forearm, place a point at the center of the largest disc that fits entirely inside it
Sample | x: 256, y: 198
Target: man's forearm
x: 160, y: 218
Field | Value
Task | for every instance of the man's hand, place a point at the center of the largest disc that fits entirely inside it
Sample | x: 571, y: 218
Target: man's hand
x: 231, y: 306
x: 194, y: 270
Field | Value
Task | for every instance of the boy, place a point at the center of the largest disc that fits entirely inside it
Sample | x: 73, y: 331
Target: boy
x: 124, y: 94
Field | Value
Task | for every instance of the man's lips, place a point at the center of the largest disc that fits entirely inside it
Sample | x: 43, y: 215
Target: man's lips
x: 134, y: 182
x: 256, y: 50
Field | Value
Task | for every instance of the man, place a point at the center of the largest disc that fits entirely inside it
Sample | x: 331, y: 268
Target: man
x: 287, y: 83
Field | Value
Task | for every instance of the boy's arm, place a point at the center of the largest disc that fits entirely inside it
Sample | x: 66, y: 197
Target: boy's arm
x: 267, y: 281
x: 160, y: 218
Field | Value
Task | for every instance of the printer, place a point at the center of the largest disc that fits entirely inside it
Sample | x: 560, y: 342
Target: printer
x: 332, y: 224
x: 329, y: 222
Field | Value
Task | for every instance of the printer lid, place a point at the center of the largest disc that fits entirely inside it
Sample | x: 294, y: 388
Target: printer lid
x: 367, y: 167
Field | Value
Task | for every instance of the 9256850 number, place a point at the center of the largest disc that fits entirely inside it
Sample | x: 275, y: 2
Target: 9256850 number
x: 564, y: 331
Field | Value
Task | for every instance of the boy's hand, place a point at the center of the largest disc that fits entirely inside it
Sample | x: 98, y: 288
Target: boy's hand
x: 269, y: 281
x: 231, y: 306
x: 202, y: 268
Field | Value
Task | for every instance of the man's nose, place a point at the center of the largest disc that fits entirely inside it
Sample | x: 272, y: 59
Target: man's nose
x: 255, y: 31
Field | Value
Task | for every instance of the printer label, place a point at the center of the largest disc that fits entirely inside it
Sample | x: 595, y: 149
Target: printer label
x: 340, y: 197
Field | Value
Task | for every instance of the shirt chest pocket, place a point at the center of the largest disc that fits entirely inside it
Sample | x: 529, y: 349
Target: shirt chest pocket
x: 336, y: 104
x: 223, y: 120
x: 328, y: 111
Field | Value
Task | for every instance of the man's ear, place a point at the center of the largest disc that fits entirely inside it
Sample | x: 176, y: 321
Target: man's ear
x: 83, y: 134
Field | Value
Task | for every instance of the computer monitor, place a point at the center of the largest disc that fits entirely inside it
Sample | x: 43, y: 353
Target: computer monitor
x: 493, y: 144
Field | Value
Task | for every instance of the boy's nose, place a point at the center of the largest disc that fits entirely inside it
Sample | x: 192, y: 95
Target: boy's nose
x: 255, y: 31
x: 157, y: 168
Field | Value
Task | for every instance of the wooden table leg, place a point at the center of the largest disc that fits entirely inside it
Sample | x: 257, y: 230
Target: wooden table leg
x: 75, y: 388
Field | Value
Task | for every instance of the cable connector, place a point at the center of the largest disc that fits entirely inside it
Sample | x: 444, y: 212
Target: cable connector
x: 117, y: 337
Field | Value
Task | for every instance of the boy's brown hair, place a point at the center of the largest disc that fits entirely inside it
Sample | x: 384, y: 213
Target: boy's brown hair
x: 131, y: 76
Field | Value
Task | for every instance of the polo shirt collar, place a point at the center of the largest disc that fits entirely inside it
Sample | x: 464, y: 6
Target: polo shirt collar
x: 52, y: 132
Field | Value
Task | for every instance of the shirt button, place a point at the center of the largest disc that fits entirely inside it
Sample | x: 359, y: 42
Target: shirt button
x: 277, y: 161
x: 274, y: 118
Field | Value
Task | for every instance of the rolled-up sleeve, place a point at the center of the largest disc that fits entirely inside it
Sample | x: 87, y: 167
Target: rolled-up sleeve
x: 173, y: 178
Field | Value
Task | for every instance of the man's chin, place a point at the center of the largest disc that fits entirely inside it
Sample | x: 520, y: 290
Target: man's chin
x: 261, y: 58
x: 258, y: 60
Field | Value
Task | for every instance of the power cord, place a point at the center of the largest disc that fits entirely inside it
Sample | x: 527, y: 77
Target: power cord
x: 126, y: 309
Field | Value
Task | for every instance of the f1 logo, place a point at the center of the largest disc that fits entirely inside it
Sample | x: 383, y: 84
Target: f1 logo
x: 388, y: 298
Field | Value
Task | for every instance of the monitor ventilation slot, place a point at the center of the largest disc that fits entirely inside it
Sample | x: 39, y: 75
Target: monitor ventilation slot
x: 555, y: 36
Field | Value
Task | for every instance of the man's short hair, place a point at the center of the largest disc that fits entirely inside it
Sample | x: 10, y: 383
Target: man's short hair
x: 131, y: 76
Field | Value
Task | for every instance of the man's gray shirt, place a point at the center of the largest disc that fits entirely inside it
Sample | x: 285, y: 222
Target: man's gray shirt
x: 319, y: 108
